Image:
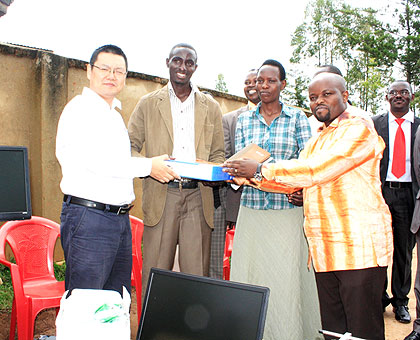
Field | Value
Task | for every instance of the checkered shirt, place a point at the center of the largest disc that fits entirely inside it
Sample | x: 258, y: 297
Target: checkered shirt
x: 284, y: 139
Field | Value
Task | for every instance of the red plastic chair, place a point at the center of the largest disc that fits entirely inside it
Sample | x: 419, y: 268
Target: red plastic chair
x: 137, y: 228
x: 34, y: 284
x: 230, y: 233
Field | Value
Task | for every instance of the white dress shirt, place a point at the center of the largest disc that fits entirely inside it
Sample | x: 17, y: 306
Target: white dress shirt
x: 183, y: 125
x: 94, y: 152
x: 406, y: 127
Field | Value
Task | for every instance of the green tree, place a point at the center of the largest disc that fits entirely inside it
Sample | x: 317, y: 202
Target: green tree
x: 409, y: 45
x: 221, y: 84
x: 372, y: 53
x: 316, y: 37
x: 295, y: 94
x: 409, y: 40
x: 336, y: 33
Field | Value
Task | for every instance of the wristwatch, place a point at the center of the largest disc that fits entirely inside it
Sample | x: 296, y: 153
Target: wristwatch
x: 258, y: 174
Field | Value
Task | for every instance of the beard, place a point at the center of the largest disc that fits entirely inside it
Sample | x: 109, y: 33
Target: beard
x: 324, y: 118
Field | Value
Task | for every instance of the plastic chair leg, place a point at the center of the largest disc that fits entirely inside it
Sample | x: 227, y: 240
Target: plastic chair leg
x: 13, y: 321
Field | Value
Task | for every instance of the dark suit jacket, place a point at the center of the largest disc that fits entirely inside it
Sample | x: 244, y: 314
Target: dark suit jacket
x: 233, y: 197
x: 381, y: 126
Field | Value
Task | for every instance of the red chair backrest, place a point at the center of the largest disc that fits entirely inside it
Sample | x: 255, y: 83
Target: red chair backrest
x: 32, y: 243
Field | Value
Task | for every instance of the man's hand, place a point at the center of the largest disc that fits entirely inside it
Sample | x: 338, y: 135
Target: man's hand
x: 161, y: 171
x: 296, y: 198
x: 241, y: 168
x: 240, y: 181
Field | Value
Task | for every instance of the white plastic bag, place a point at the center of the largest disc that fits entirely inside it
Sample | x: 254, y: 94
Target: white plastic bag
x: 89, y: 314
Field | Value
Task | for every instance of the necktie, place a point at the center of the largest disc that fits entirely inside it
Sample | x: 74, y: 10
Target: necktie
x: 398, y: 159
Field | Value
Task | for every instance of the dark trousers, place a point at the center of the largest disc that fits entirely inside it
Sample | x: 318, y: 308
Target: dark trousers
x: 97, y: 248
x: 350, y: 301
x: 401, y: 206
x: 218, y: 236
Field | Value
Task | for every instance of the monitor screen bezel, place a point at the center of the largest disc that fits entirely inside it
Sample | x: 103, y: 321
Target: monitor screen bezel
x: 20, y: 215
x: 236, y: 285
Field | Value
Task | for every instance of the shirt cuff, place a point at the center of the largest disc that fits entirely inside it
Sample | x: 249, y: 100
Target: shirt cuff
x: 141, y: 166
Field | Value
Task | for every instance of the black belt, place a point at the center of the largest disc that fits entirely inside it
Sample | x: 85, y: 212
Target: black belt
x: 116, y: 209
x: 184, y: 183
x: 398, y: 185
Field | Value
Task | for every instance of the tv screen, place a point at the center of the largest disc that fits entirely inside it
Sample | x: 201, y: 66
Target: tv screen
x: 189, y: 307
x: 15, y: 196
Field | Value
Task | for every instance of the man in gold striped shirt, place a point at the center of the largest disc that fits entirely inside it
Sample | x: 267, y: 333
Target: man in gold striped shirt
x: 347, y: 223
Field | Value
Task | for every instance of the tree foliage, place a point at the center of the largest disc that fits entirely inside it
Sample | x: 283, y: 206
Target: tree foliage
x: 409, y: 45
x: 221, y: 84
x: 354, y: 39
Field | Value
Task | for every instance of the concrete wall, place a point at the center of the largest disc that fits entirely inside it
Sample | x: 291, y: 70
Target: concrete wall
x: 35, y: 87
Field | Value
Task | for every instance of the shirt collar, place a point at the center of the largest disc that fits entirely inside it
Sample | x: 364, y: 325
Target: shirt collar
x: 284, y: 109
x: 344, y: 115
x: 408, y: 116
x: 88, y: 92
x: 251, y: 105
x: 194, y: 88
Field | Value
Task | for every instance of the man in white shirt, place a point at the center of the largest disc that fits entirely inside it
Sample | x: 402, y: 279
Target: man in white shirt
x: 399, y: 188
x: 181, y: 121
x: 93, y: 149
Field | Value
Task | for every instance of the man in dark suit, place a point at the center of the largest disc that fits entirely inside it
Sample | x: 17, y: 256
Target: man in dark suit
x: 229, y: 126
x: 399, y: 188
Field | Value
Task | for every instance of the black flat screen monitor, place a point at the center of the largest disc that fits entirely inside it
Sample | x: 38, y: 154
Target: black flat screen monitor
x: 15, y: 193
x: 188, y: 307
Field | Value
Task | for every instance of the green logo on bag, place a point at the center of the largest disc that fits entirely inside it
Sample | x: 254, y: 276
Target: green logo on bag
x: 108, y: 313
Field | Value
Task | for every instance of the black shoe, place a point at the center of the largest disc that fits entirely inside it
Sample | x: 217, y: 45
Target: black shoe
x: 402, y: 315
x: 413, y: 336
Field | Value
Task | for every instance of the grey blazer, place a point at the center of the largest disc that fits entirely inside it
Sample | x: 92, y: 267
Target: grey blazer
x: 233, y: 197
x: 415, y: 223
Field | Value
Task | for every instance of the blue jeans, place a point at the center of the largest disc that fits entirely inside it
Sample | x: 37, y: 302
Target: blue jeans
x: 97, y: 248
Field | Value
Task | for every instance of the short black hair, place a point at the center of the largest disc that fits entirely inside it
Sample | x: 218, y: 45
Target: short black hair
x: 328, y: 68
x: 108, y: 49
x: 182, y: 45
x: 402, y: 81
x: 277, y: 64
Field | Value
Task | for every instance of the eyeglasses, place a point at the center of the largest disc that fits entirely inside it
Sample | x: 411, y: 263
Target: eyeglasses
x: 404, y: 93
x: 105, y: 70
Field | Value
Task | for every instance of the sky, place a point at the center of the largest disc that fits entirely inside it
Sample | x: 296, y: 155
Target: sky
x: 230, y: 36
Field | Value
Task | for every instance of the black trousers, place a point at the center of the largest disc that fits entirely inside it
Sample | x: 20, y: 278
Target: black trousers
x: 350, y: 301
x: 401, y: 206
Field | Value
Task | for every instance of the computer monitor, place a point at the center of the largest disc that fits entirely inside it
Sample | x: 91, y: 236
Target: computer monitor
x: 189, y: 307
x: 15, y: 193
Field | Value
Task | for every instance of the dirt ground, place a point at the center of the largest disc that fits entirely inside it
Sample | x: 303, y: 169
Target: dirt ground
x: 45, y: 322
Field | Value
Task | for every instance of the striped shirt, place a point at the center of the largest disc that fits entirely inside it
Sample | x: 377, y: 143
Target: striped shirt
x: 183, y: 125
x: 347, y: 222
x: 284, y: 138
